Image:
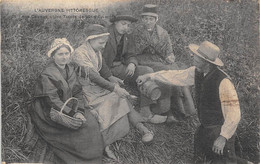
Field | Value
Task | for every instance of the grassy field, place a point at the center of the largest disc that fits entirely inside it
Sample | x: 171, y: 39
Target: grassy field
x: 233, y: 26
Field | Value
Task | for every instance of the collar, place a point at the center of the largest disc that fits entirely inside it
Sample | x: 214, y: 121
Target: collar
x: 210, y: 72
x: 116, y: 32
x: 59, y: 68
x: 118, y: 36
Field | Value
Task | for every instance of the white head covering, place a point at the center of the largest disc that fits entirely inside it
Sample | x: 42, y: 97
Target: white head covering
x: 57, y: 43
x: 95, y: 31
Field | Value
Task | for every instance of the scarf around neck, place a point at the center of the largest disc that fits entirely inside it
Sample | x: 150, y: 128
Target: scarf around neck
x: 86, y: 56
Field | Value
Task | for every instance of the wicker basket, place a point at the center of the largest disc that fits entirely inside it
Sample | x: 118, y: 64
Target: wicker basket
x: 63, y: 119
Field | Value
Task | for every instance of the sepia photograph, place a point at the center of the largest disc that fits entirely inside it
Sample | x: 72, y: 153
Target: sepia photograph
x: 130, y: 82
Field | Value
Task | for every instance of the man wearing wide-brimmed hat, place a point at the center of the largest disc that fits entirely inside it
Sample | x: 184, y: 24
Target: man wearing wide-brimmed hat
x: 216, y: 100
x: 120, y: 56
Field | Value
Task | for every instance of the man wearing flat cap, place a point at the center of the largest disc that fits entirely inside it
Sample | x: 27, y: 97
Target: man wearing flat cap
x: 120, y: 56
x: 216, y: 100
x: 154, y: 49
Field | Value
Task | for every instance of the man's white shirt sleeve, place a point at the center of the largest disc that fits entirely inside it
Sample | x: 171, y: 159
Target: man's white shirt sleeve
x: 175, y: 77
x: 230, y: 108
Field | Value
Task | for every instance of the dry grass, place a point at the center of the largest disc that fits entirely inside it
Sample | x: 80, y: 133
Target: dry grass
x: 233, y: 26
x: 169, y: 145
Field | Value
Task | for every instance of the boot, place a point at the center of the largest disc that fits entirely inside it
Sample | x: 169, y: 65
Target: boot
x: 171, y: 119
x: 147, y: 134
x: 149, y: 117
x: 109, y: 153
x: 156, y: 119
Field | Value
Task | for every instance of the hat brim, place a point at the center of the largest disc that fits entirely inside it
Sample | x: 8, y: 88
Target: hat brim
x: 56, y: 47
x: 97, y: 36
x: 123, y: 17
x: 149, y: 14
x: 194, y: 48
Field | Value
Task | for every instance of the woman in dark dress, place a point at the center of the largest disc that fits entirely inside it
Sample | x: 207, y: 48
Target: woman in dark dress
x: 56, y: 84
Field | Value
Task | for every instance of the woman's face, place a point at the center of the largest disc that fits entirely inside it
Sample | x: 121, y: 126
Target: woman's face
x: 62, y: 56
x: 149, y: 22
x: 98, y: 44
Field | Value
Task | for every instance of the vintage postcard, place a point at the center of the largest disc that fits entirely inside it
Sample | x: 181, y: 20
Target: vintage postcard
x: 130, y: 81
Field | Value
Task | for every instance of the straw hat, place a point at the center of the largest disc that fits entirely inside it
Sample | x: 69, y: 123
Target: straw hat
x: 95, y: 31
x: 208, y: 51
x: 123, y: 15
x: 150, y: 10
x: 57, y: 43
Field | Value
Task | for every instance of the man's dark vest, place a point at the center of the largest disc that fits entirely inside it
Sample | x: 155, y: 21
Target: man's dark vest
x: 207, y: 97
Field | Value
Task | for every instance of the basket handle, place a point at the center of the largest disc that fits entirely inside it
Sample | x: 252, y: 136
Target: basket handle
x: 67, y: 101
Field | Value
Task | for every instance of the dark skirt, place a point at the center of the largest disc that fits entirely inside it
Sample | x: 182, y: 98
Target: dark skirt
x: 84, y: 145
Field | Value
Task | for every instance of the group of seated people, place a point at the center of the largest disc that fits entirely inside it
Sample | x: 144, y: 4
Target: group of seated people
x: 95, y: 74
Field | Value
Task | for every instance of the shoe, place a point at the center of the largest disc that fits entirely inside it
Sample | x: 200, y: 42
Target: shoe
x: 171, y: 119
x: 157, y: 119
x: 147, y: 137
x: 109, y: 153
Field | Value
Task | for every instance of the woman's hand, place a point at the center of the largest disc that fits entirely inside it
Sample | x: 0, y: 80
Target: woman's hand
x: 116, y: 80
x: 130, y: 70
x: 80, y: 116
x: 121, y: 92
x: 170, y: 59
x: 142, y: 79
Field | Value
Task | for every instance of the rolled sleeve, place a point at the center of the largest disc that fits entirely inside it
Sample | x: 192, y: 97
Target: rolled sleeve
x: 132, y: 60
x: 230, y: 108
x: 105, y: 71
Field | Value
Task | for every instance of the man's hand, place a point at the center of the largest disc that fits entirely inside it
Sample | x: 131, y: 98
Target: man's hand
x: 116, y: 80
x: 219, y: 145
x: 121, y: 92
x: 130, y: 70
x: 142, y: 79
x: 170, y: 59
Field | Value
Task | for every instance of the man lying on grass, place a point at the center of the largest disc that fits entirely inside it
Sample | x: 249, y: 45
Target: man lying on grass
x: 216, y: 100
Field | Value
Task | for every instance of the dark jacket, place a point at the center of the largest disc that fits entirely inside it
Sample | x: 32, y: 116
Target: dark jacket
x: 56, y: 90
x: 84, y: 145
x: 158, y: 43
x: 128, y: 53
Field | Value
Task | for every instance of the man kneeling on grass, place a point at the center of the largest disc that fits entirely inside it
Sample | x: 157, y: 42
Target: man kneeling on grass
x: 216, y: 100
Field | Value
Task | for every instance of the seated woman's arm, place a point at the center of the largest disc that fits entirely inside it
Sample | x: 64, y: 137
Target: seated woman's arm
x: 96, y: 78
x: 106, y: 74
x: 51, y: 94
x: 86, y: 68
x: 99, y: 80
x: 105, y: 71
